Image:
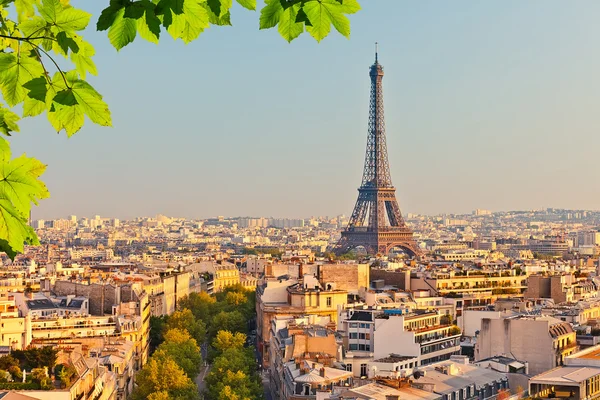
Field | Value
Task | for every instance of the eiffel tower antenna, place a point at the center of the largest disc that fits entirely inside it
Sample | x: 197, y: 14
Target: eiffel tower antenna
x: 376, y: 222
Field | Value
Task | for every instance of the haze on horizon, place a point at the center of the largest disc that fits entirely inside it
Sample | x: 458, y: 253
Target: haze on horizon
x: 488, y: 105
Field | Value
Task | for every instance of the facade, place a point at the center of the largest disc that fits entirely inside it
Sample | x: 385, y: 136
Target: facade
x: 223, y: 273
x: 372, y: 334
x: 15, y: 330
x: 307, y: 345
x: 578, y: 379
x: 541, y: 340
x: 556, y: 287
x: 278, y: 297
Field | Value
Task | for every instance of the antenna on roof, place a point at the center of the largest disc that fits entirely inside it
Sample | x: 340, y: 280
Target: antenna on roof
x: 376, y: 51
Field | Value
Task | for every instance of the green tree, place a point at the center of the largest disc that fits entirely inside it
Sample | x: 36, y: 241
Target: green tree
x: 235, y: 298
x: 183, y: 349
x: 164, y: 376
x: 8, y: 361
x: 34, y: 80
x: 36, y: 357
x: 185, y: 320
x: 228, y: 340
x: 38, y: 375
x: 201, y: 304
x: 235, y: 385
x: 231, y: 360
x: 232, y: 321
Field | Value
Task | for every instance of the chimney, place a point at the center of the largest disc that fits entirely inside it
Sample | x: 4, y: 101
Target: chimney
x: 322, y: 372
x: 314, y: 365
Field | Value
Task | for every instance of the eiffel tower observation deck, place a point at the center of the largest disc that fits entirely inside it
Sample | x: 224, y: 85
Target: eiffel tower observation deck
x: 376, y: 222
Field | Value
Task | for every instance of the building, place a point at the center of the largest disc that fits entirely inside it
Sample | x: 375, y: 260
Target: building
x: 417, y: 338
x: 577, y: 379
x: 223, y: 273
x: 541, y: 340
x: 290, y: 297
x: 555, y: 287
x: 302, y: 353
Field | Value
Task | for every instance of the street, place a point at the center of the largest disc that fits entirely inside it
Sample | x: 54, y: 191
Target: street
x: 266, y: 384
x: 204, y: 370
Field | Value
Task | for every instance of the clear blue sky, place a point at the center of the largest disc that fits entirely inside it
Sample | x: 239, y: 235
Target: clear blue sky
x: 488, y: 105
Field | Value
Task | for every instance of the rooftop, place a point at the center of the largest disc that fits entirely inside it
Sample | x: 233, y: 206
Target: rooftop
x: 566, y: 375
x: 394, y: 358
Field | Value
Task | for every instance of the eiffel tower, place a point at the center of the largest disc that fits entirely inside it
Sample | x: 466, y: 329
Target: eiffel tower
x: 376, y: 222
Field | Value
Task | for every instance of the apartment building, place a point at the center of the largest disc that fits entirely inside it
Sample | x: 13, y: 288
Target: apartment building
x: 577, y: 379
x: 541, y: 340
x: 15, y: 330
x: 296, y: 345
x: 291, y: 297
x: 418, y: 338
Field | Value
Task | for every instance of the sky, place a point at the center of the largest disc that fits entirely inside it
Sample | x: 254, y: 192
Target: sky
x: 488, y: 105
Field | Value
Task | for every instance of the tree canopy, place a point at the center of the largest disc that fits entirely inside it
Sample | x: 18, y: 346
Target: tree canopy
x: 45, y: 60
x: 183, y: 349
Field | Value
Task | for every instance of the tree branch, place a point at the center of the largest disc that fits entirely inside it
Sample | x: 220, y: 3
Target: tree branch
x: 23, y: 39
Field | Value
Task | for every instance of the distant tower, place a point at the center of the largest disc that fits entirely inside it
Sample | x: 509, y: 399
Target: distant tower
x: 376, y: 222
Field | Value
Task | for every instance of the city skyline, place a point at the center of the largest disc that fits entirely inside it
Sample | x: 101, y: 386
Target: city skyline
x: 497, y: 120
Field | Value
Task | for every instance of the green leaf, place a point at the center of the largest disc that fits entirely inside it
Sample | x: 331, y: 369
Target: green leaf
x: 82, y: 58
x: 288, y: 27
x: 33, y: 27
x: 135, y: 10
x: 215, y: 6
x: 65, y: 43
x: 270, y: 14
x: 350, y: 6
x: 19, y: 183
x: 319, y: 17
x: 72, y: 19
x: 249, y: 4
x: 50, y: 10
x: 190, y: 22
x: 15, y: 71
x: 108, y: 16
x: 8, y: 122
x: 14, y: 228
x: 92, y: 104
x: 149, y: 26
x: 224, y: 20
x: 25, y: 9
x: 35, y: 102
x: 341, y: 23
x: 69, y: 105
x: 301, y: 17
x: 122, y: 31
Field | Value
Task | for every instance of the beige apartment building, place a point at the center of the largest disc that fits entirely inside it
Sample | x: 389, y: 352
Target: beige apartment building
x: 542, y: 341
x: 15, y: 331
x: 292, y: 298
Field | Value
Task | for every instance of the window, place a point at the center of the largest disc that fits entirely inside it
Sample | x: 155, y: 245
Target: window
x: 364, y: 325
x: 368, y: 336
x: 328, y: 301
x: 361, y: 347
x: 361, y: 336
x: 363, y: 369
x: 353, y: 325
x: 353, y: 335
x: 353, y: 346
x: 349, y: 367
x: 367, y: 347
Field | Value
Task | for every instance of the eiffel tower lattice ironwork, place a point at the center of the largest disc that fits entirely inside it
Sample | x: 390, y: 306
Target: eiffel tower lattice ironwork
x: 376, y: 222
